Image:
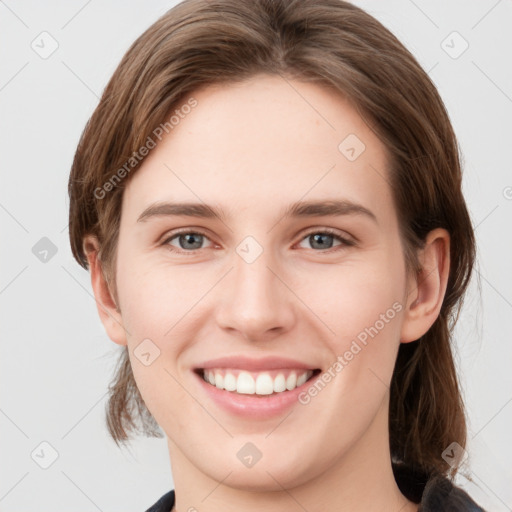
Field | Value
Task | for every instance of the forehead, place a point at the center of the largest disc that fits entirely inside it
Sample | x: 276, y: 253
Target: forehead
x: 260, y: 142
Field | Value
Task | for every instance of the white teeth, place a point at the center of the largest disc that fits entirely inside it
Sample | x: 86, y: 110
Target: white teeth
x: 245, y: 384
x: 264, y: 384
x: 229, y: 382
x: 291, y: 381
x: 279, y: 383
x: 300, y: 379
x: 260, y: 383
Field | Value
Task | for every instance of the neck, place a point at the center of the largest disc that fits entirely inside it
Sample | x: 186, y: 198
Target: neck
x: 360, y: 480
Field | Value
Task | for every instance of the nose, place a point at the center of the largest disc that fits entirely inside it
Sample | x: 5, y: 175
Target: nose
x: 256, y: 303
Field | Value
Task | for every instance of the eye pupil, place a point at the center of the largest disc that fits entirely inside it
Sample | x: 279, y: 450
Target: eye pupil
x: 189, y: 237
x: 317, y: 238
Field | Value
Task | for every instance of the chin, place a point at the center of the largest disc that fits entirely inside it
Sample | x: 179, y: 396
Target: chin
x: 279, y: 467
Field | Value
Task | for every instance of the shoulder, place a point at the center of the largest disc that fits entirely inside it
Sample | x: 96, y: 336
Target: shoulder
x: 441, y: 494
x: 434, y: 493
x: 164, y: 504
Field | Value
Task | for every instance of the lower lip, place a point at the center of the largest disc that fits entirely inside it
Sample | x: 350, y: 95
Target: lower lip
x: 254, y: 406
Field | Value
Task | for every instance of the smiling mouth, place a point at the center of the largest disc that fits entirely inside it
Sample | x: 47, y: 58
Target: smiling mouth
x: 264, y: 383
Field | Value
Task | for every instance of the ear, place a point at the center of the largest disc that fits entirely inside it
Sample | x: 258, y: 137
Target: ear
x: 426, y: 290
x: 108, y: 310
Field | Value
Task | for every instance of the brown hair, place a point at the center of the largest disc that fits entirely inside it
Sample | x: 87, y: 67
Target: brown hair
x: 334, y: 44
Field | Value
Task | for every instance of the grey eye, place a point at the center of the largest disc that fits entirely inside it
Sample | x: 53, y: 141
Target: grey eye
x: 321, y: 240
x: 188, y: 241
x: 324, y: 240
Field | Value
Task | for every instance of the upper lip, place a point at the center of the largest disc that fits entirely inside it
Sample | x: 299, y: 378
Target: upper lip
x: 255, y: 364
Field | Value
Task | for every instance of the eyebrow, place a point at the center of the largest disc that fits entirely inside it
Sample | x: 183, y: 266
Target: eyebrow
x: 300, y: 209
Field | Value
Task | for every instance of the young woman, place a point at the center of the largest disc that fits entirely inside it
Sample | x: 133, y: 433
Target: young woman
x: 268, y: 198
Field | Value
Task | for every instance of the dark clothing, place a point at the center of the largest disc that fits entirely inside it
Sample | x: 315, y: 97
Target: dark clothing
x: 164, y: 504
x: 435, y: 494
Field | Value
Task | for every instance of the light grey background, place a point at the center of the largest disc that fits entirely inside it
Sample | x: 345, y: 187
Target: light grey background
x: 56, y: 359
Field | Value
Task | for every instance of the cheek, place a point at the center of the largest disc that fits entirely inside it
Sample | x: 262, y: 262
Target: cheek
x: 157, y: 308
x: 355, y: 298
x: 365, y: 312
x: 156, y: 298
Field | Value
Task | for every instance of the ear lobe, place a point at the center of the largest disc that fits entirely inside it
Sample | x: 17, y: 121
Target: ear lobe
x: 109, y: 313
x: 427, y: 289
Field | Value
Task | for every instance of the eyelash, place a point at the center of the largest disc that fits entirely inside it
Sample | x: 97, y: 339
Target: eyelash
x: 345, y: 242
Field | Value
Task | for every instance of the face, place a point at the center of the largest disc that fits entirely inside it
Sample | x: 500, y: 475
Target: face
x: 264, y: 294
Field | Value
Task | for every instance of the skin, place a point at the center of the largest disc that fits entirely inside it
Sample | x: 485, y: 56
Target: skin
x: 253, y: 148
